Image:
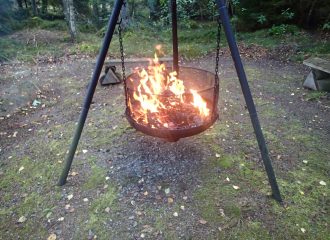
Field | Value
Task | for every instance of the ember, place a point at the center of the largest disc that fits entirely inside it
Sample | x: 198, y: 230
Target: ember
x: 161, y: 100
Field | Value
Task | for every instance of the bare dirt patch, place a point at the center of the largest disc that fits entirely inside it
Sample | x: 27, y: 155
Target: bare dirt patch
x: 125, y: 185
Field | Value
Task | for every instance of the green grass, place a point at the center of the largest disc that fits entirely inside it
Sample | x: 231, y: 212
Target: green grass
x: 98, y: 217
x: 306, y: 44
x: 140, y: 41
x: 314, y: 95
x: 14, y: 49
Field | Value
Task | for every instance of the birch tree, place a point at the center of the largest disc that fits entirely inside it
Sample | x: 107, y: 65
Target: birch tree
x: 34, y: 7
x: 70, y: 18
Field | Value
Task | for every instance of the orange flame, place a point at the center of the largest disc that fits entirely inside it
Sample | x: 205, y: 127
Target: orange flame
x: 160, y: 93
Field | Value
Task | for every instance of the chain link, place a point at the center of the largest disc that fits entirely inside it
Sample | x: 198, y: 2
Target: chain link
x: 216, y: 89
x: 122, y: 57
x: 218, y: 53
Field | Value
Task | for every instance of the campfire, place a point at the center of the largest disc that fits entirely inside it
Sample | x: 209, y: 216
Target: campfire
x: 168, y: 104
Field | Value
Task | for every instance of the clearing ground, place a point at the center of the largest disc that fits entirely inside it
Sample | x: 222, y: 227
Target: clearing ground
x: 126, y: 185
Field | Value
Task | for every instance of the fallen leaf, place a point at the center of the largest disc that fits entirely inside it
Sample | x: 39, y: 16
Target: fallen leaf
x: 222, y: 212
x: 227, y: 179
x: 175, y: 214
x: 145, y: 193
x: 60, y: 219
x: 21, y: 219
x: 107, y: 209
x: 202, y: 221
x: 85, y: 199
x: 158, y: 197
x: 235, y: 187
x: 217, y: 155
x: 21, y: 169
x: 36, y: 103
x: 67, y: 206
x: 167, y: 191
x: 182, y: 207
x: 15, y: 134
x: 305, y: 161
x: 323, y: 183
x: 74, y: 174
x: 70, y: 196
x: 52, y: 237
x: 170, y: 200
x: 303, y: 230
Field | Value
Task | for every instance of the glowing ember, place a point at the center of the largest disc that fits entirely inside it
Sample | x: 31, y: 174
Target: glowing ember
x: 161, y: 100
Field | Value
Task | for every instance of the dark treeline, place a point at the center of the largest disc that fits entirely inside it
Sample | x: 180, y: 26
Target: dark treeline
x: 247, y: 15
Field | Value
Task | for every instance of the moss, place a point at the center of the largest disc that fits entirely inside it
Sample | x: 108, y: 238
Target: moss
x: 249, y: 230
x: 225, y: 160
x: 314, y: 95
x: 96, y: 178
x: 98, y: 218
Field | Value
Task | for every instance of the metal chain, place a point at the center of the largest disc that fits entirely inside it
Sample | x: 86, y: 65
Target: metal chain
x: 122, y: 57
x: 216, y: 89
x: 218, y: 53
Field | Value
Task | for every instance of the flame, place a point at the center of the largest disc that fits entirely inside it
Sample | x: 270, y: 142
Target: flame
x: 200, y: 104
x: 160, y: 95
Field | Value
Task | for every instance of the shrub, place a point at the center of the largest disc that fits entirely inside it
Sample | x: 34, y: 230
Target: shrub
x: 281, y: 30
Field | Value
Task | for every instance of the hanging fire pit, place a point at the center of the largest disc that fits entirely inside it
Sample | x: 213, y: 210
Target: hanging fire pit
x: 169, y: 105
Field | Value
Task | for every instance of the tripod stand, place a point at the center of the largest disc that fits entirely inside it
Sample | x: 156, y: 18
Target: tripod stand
x: 239, y: 69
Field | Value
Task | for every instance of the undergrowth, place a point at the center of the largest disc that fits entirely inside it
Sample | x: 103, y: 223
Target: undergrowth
x: 140, y: 41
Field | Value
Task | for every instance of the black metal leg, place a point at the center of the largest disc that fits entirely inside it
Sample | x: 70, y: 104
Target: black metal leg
x: 91, y: 89
x: 248, y: 99
x: 175, y: 37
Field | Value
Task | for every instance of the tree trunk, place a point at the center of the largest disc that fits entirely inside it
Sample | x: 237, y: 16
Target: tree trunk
x: 96, y: 13
x: 132, y: 9
x: 104, y: 10
x: 124, y: 16
x: 34, y: 8
x: 26, y: 6
x: 308, y: 22
x: 44, y: 5
x: 20, y: 4
x: 154, y: 9
x: 70, y: 18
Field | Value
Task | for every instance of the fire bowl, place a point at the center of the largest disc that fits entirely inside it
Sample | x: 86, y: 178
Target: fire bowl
x: 176, y: 119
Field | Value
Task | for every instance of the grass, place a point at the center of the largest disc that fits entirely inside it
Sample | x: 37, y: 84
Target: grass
x: 231, y: 212
x: 306, y: 44
x: 140, y: 40
x: 304, y: 217
x: 314, y: 95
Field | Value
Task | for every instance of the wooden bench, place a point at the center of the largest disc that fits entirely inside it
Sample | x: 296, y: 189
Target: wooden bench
x: 319, y: 76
